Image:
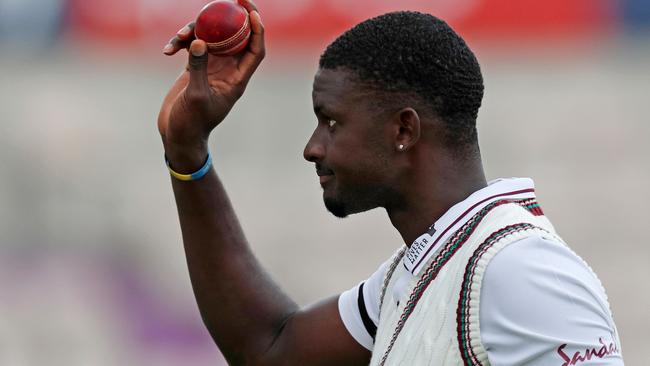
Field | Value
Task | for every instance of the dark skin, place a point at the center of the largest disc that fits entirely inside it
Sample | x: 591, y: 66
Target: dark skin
x: 356, y: 150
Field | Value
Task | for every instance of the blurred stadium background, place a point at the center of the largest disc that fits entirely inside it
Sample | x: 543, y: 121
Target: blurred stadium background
x: 91, y: 266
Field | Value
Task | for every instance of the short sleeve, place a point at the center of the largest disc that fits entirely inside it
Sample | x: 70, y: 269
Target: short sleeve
x: 542, y: 305
x: 359, y: 307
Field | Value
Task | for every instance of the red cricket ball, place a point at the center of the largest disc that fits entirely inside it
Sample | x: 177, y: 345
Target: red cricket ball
x: 225, y: 26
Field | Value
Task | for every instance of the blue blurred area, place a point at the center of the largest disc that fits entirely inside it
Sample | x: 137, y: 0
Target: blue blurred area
x: 636, y: 13
x: 38, y: 23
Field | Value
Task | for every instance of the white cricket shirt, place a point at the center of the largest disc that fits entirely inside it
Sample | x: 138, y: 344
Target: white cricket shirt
x: 540, y: 303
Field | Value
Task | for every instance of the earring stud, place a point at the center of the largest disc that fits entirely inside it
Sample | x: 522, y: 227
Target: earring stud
x: 401, y: 147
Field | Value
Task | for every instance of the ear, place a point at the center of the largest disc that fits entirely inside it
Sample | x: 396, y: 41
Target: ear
x: 407, y: 129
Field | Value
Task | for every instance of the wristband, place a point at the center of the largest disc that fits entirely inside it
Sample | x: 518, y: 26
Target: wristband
x: 194, y: 176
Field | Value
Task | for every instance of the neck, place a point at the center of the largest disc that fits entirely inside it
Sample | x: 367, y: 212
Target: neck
x: 429, y: 193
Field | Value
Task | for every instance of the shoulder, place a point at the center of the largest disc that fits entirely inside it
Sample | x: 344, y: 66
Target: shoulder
x: 541, y: 302
x: 536, y: 263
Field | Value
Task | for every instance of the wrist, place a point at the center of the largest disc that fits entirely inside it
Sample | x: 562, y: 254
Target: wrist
x: 186, y: 159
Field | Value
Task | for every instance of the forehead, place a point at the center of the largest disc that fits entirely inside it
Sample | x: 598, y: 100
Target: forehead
x: 335, y: 89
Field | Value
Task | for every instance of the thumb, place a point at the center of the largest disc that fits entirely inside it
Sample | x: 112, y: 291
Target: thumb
x: 198, y: 66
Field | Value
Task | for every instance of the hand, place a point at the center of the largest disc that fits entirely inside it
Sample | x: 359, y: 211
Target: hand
x: 206, y: 91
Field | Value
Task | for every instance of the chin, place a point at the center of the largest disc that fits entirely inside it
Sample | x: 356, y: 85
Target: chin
x: 341, y: 209
x: 335, y: 207
x: 344, y: 203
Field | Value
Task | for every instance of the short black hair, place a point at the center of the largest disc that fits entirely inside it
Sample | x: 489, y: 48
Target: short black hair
x: 413, y: 53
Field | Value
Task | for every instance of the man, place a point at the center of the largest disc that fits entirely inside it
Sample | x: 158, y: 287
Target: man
x: 482, y: 278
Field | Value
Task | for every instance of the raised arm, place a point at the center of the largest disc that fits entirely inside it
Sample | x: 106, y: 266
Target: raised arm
x: 249, y: 317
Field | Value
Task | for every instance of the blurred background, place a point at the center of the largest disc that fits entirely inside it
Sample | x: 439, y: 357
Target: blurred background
x: 92, y: 270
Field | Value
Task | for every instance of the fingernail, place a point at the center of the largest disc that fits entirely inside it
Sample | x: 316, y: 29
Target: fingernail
x: 184, y: 30
x: 198, y: 50
x: 168, y: 48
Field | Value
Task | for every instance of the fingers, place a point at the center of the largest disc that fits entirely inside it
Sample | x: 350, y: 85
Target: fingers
x: 198, y: 87
x: 182, y: 40
x: 248, y: 4
x: 187, y: 32
x: 257, y: 35
x: 256, y: 48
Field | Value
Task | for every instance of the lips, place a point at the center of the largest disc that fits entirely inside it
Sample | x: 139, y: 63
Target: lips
x: 324, y: 174
x: 323, y: 171
x: 325, y: 178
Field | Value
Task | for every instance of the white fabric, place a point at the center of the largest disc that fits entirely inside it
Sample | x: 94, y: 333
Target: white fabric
x: 544, y: 278
x: 424, y: 246
x: 430, y: 334
x: 532, y: 276
x: 349, y: 306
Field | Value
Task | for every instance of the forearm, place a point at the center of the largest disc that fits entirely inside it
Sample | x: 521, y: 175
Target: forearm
x: 248, y: 316
x: 242, y: 308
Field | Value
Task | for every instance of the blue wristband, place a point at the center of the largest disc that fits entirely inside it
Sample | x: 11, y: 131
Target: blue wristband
x: 194, y: 176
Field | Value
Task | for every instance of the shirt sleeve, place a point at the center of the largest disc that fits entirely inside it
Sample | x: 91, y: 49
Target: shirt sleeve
x: 359, y: 307
x: 542, y: 305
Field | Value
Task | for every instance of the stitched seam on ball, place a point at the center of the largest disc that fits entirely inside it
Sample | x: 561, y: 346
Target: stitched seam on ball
x: 241, y: 33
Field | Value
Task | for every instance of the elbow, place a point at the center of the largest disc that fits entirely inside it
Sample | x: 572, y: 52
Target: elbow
x: 256, y: 350
x: 275, y: 351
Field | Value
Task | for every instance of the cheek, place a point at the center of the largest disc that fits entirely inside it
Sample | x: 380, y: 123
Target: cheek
x: 343, y: 152
x: 359, y: 164
x: 358, y: 152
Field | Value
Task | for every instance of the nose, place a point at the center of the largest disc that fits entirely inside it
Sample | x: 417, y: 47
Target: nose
x: 315, y: 148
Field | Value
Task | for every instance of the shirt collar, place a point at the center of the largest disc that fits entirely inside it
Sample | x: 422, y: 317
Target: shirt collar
x: 428, y: 243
